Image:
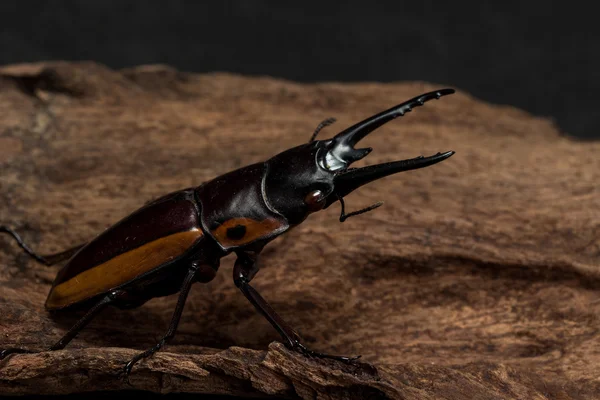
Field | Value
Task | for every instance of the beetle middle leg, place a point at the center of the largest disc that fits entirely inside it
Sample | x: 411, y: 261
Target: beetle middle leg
x: 75, y: 329
x: 183, y: 294
x: 244, y: 270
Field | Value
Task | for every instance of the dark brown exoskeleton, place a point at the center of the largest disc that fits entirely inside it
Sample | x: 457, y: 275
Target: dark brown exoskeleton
x: 166, y: 245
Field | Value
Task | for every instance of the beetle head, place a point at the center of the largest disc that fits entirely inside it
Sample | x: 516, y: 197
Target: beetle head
x: 312, y: 176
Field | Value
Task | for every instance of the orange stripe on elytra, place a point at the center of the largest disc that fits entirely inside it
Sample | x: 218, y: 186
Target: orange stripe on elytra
x: 254, y: 230
x: 121, y: 269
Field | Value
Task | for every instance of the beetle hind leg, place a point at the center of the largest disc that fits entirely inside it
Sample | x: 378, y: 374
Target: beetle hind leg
x: 75, y: 329
x: 47, y: 260
x: 13, y: 350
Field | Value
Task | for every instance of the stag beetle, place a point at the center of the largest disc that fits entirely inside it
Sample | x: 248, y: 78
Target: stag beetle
x: 170, y: 243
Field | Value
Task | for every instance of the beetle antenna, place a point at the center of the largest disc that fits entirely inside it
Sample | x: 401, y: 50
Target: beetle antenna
x: 47, y: 260
x: 322, y: 125
x: 344, y: 216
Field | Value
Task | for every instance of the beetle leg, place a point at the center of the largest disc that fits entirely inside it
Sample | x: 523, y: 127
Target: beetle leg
x: 75, y: 329
x: 47, y: 260
x: 183, y: 294
x: 244, y: 270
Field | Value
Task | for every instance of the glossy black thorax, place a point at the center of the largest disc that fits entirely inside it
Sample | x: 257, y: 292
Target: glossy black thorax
x: 235, y: 212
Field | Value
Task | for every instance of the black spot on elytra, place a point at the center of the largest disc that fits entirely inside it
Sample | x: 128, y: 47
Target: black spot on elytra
x: 237, y: 232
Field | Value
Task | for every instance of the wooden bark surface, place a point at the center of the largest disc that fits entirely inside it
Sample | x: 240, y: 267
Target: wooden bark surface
x: 477, y: 279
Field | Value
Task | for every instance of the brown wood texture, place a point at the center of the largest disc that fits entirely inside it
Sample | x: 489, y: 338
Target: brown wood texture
x: 478, y: 278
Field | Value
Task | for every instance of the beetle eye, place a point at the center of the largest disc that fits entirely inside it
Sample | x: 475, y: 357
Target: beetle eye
x: 315, y: 200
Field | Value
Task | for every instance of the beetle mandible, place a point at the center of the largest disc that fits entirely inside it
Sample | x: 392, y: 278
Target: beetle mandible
x: 172, y: 242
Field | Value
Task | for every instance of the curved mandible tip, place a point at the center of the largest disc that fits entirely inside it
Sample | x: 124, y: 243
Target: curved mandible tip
x: 352, y: 179
x: 358, y: 131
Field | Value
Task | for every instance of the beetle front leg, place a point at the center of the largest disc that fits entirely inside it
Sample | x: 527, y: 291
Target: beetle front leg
x: 244, y: 270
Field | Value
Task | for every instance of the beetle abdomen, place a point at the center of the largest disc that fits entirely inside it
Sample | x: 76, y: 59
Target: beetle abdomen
x: 153, y: 236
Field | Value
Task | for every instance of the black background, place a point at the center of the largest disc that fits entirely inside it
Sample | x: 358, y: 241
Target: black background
x: 541, y: 56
